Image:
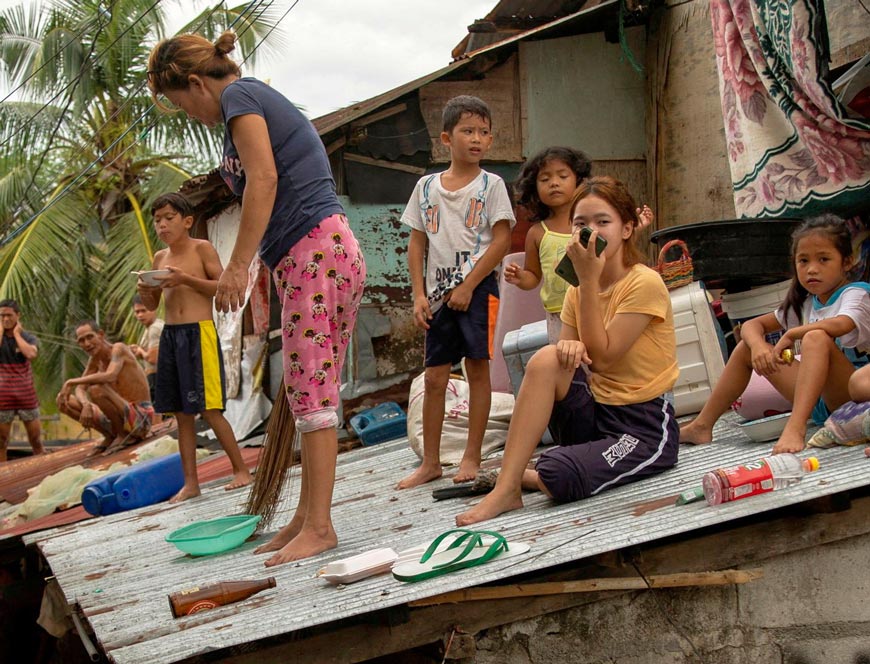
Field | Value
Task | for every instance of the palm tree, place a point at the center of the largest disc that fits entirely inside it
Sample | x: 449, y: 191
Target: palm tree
x: 83, y: 154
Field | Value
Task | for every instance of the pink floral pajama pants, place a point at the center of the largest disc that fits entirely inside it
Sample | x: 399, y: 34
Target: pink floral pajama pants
x: 320, y: 284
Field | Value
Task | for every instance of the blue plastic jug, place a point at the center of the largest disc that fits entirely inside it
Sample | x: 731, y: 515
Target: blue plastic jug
x: 142, y: 484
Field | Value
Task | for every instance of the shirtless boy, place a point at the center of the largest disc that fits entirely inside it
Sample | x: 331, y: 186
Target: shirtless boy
x: 190, y: 370
x: 111, y: 395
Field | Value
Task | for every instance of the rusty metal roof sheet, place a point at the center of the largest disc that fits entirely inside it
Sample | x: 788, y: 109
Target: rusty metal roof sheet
x: 212, y: 468
x: 120, y: 570
x: 327, y: 123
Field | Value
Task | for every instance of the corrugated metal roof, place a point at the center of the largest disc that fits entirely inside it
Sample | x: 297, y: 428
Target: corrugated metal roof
x: 327, y: 123
x: 507, y: 10
x: 209, y: 469
x: 120, y: 570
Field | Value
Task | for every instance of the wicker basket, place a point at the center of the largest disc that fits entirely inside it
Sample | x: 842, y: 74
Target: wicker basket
x: 675, y: 273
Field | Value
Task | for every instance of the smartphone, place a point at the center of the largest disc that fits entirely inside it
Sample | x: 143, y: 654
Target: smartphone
x: 565, y: 268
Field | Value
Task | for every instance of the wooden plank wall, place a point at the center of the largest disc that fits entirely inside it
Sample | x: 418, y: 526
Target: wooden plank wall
x: 499, y: 89
x: 690, y: 180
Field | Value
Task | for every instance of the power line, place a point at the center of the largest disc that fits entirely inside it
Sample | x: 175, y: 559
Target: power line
x: 49, y: 60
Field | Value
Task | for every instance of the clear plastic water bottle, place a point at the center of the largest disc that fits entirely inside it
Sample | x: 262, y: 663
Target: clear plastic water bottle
x: 767, y: 474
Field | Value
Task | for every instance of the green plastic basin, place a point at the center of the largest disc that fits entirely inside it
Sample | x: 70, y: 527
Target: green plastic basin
x: 204, y: 538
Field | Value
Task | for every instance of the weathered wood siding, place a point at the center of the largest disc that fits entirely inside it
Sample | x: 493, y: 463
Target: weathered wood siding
x: 499, y: 90
x: 690, y: 178
x: 582, y: 92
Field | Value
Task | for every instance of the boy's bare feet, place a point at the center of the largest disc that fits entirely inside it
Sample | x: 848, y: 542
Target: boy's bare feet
x: 791, y: 440
x: 307, y: 543
x: 696, y: 433
x: 420, y: 476
x: 467, y: 471
x: 240, y: 479
x: 283, y: 536
x: 495, y: 503
x: 186, y: 493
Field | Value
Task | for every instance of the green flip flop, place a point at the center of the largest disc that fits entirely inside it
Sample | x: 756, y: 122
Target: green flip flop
x: 469, y: 548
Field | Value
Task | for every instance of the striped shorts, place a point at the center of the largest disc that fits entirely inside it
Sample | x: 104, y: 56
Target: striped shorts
x: 190, y: 369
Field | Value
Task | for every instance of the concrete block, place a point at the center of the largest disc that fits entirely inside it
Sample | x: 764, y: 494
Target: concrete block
x: 813, y: 586
x: 847, y: 650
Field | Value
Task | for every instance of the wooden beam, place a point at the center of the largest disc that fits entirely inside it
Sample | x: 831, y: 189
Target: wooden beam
x: 380, y: 115
x: 380, y: 163
x: 336, y: 144
x: 688, y: 579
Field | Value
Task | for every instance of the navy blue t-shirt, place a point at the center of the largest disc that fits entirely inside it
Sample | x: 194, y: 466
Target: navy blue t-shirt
x: 306, y: 190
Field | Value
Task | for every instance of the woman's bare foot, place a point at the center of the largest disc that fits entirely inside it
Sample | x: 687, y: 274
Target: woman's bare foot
x: 791, y: 440
x: 491, y: 506
x: 696, y: 433
x: 867, y: 451
x: 283, y: 536
x: 186, y: 493
x: 309, y: 542
x: 423, y: 474
x: 467, y: 471
x: 240, y: 479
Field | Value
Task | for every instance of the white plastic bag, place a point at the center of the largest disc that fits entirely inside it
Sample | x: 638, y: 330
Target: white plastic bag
x: 454, y: 434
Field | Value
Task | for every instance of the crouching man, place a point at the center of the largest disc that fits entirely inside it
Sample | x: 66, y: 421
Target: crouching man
x: 111, y: 395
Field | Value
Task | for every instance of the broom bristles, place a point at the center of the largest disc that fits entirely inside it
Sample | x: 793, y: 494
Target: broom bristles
x: 275, y: 460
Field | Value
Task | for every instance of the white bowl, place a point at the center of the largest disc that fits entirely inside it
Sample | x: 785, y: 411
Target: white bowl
x: 152, y: 277
x: 766, y: 428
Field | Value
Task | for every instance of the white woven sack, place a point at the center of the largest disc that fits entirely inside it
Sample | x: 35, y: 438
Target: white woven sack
x: 454, y: 434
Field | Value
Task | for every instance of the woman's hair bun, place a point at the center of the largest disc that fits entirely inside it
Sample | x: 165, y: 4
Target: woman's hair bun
x: 226, y: 43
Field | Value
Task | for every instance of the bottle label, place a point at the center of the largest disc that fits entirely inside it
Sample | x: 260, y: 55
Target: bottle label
x: 187, y: 591
x: 202, y: 605
x: 747, y: 480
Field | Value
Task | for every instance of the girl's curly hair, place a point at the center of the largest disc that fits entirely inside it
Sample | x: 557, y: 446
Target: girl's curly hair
x: 526, y: 185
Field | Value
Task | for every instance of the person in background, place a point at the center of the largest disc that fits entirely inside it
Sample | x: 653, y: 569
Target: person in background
x: 17, y: 393
x: 149, y: 343
x: 111, y: 395
x: 460, y: 222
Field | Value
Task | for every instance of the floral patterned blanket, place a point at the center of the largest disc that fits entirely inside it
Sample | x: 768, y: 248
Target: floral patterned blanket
x: 793, y: 148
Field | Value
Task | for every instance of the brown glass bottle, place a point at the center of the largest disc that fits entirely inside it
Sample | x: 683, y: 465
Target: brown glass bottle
x: 196, y: 599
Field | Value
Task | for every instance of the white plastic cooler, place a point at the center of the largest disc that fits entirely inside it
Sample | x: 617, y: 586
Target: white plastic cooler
x: 699, y: 352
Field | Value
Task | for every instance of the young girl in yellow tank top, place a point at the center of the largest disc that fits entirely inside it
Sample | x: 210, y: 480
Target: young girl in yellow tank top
x: 545, y: 186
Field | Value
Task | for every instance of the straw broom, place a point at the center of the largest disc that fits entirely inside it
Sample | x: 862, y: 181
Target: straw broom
x: 279, y: 445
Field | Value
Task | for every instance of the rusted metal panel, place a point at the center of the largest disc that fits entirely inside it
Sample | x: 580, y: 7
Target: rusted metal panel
x: 120, y: 570
x: 500, y: 90
x: 384, y: 242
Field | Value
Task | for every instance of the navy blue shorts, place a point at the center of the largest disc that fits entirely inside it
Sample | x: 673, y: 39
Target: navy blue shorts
x: 190, y: 370
x: 602, y: 447
x: 453, y: 335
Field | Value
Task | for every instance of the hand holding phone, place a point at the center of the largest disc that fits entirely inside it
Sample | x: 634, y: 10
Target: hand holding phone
x: 565, y: 268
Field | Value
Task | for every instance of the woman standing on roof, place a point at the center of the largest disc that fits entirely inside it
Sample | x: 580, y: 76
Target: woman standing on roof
x: 274, y: 159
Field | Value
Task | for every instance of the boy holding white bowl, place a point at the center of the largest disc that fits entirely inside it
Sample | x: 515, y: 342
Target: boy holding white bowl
x: 190, y: 372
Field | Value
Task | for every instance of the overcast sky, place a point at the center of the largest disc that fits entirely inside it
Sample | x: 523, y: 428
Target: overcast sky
x: 342, y: 51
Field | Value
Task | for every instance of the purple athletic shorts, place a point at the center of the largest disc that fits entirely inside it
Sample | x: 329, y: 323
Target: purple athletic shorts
x: 601, y: 447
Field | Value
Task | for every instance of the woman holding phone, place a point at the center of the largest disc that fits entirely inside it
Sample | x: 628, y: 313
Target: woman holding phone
x: 603, y: 390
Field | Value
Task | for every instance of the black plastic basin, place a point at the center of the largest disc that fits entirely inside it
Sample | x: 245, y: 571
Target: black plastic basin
x: 736, y: 254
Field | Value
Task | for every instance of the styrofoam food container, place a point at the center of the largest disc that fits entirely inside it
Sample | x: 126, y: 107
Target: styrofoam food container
x: 151, y: 277
x: 766, y: 428
x: 360, y: 566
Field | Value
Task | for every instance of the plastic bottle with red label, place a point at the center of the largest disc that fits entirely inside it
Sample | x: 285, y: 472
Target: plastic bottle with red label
x: 767, y: 474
